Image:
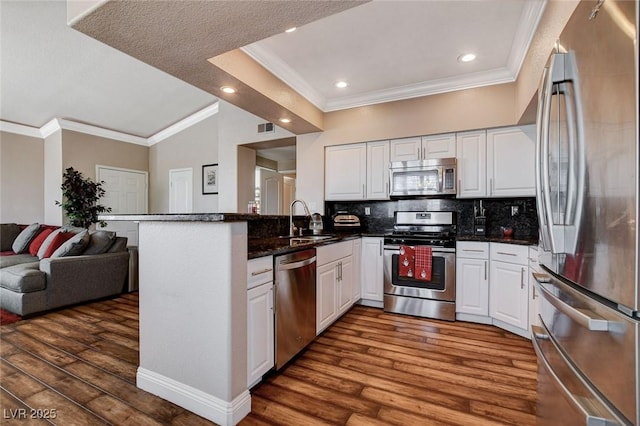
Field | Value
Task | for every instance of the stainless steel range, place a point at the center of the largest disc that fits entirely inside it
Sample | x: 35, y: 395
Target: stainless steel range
x: 407, y: 289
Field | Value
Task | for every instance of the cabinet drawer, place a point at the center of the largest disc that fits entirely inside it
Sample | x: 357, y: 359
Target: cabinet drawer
x: 472, y: 250
x: 259, y: 271
x: 510, y: 253
x: 333, y: 252
x: 533, y: 259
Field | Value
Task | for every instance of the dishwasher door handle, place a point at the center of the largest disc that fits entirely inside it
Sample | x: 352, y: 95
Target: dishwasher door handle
x: 284, y: 266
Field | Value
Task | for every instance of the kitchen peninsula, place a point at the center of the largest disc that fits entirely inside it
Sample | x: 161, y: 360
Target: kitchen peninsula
x: 193, y: 311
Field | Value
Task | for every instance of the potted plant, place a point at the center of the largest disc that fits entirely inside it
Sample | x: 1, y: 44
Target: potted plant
x: 80, y: 202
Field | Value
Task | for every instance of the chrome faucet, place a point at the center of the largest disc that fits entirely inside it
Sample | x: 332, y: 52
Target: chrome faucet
x: 292, y: 227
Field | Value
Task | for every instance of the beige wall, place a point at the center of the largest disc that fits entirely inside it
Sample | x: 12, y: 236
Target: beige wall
x: 83, y: 152
x: 21, y: 178
x: 191, y: 148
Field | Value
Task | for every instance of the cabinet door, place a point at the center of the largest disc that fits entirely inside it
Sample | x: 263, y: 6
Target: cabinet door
x: 472, y: 286
x: 511, y: 161
x: 508, y: 294
x: 406, y: 149
x: 371, y: 271
x: 378, y: 170
x: 357, y: 255
x: 345, y: 284
x: 439, y: 146
x: 471, y: 158
x: 260, y: 353
x: 326, y: 302
x: 345, y: 172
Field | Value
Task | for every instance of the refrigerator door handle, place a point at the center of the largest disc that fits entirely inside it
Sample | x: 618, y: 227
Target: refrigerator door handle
x: 576, y: 187
x: 542, y: 156
x: 583, y: 317
x: 539, y: 333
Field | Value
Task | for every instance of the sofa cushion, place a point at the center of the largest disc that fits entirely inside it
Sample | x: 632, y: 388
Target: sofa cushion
x: 58, y: 240
x: 99, y: 242
x: 8, y: 234
x: 6, y: 261
x: 22, y: 241
x: 24, y: 278
x: 38, y: 240
x: 74, y: 246
x: 119, y: 245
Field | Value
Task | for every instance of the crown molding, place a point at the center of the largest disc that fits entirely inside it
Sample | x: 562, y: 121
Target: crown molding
x: 20, y: 129
x: 481, y: 79
x: 529, y: 20
x: 101, y: 132
x: 57, y: 124
x: 184, y: 124
x: 284, y: 72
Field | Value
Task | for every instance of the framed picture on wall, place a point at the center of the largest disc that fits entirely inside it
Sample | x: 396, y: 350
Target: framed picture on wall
x: 210, y: 179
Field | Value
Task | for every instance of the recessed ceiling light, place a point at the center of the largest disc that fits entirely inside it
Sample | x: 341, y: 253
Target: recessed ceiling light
x: 290, y: 30
x: 285, y: 120
x: 228, y: 89
x: 467, y: 57
x: 341, y: 84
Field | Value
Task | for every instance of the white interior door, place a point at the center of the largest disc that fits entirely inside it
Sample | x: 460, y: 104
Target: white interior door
x: 181, y: 190
x: 270, y: 191
x: 288, y: 193
x: 125, y: 193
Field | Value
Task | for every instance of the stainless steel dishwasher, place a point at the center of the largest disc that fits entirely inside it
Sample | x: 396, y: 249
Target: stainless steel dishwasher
x: 295, y: 303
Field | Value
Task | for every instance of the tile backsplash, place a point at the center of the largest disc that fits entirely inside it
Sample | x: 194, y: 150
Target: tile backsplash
x: 498, y: 213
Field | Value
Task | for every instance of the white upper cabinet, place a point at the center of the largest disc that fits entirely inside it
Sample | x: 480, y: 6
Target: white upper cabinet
x: 511, y: 161
x: 424, y: 148
x: 378, y: 170
x: 471, y: 154
x: 406, y: 149
x: 439, y: 146
x: 345, y: 173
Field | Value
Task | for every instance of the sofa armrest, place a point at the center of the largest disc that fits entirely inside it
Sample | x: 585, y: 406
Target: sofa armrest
x: 76, y: 279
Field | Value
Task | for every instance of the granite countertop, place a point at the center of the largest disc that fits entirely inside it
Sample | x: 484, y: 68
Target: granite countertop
x: 186, y: 217
x: 519, y: 241
x: 259, y: 246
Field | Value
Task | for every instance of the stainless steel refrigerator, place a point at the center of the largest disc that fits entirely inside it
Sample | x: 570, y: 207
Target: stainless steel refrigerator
x: 587, y: 198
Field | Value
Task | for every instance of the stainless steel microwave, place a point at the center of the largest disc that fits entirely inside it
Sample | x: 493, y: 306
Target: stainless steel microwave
x: 428, y: 177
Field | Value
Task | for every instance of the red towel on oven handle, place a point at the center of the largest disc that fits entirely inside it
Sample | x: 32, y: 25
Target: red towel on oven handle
x: 424, y: 263
x: 406, y: 262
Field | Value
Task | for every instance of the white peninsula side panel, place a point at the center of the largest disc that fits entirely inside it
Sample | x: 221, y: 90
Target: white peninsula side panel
x: 193, y: 316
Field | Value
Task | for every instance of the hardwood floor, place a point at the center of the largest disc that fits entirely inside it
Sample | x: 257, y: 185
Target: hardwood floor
x: 369, y: 368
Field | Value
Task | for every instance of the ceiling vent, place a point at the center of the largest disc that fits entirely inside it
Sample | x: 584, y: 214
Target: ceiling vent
x: 266, y: 128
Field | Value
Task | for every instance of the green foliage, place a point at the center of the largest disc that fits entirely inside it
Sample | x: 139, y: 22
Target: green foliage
x: 81, y: 196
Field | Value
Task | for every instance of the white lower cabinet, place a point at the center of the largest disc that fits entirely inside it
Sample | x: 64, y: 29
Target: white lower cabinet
x: 371, y: 272
x: 493, y: 285
x: 357, y: 256
x: 260, y: 319
x: 334, y: 282
x: 508, y: 286
x: 472, y: 278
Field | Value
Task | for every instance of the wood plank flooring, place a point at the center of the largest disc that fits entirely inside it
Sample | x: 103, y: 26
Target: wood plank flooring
x: 369, y: 368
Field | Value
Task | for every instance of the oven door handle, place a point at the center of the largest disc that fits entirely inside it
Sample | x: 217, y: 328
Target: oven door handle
x: 433, y: 249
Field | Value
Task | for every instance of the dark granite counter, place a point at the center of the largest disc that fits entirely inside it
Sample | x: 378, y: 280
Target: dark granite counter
x: 259, y: 247
x: 518, y: 241
x: 184, y: 217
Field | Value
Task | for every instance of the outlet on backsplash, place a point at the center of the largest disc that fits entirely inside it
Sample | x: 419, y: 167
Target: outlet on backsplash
x: 515, y: 210
x: 367, y: 211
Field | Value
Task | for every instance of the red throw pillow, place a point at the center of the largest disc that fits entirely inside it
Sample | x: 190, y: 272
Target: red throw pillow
x: 37, y: 242
x: 58, y: 240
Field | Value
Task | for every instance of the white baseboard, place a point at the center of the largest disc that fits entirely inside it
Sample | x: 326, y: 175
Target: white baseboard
x: 203, y: 404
